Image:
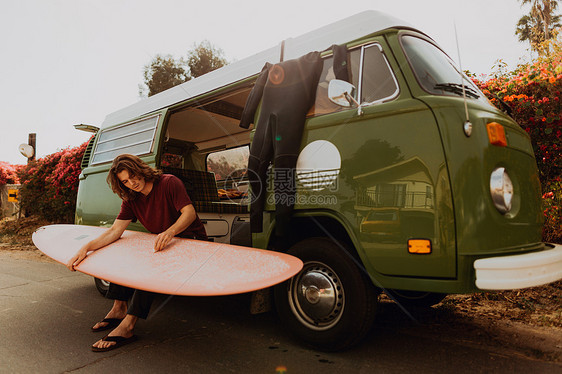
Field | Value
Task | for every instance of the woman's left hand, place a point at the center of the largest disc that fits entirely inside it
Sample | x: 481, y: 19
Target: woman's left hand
x: 162, y: 240
x: 186, y: 218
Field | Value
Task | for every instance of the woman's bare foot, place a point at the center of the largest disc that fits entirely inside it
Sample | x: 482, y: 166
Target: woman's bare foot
x: 118, y: 311
x: 124, y: 330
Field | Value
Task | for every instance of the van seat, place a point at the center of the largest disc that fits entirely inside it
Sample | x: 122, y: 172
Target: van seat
x: 200, y: 185
x: 202, y: 189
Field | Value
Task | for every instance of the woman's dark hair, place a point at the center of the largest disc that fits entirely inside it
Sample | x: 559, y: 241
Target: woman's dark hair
x: 136, y: 168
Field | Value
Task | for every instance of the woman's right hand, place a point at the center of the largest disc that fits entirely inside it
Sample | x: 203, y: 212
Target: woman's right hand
x: 76, y: 259
x: 104, y: 239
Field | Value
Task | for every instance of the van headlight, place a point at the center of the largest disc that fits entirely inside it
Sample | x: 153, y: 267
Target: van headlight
x: 501, y: 189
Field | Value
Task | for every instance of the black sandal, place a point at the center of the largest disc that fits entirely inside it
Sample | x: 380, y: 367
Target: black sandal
x: 119, y: 342
x: 111, y: 323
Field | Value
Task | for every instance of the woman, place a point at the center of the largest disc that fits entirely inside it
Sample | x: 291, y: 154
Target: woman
x: 160, y: 202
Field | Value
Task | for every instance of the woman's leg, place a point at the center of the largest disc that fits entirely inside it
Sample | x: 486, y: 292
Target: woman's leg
x: 138, y: 308
x: 120, y: 295
x: 140, y: 303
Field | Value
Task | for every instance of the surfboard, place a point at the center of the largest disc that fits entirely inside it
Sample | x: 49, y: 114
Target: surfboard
x: 185, y: 267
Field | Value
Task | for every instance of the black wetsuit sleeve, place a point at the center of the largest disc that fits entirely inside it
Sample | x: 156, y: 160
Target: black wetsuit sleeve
x: 341, y: 63
x: 254, y: 98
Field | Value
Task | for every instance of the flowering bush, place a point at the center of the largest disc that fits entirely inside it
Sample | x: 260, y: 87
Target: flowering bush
x: 8, y: 173
x: 552, y: 203
x: 50, y: 184
x: 533, y: 93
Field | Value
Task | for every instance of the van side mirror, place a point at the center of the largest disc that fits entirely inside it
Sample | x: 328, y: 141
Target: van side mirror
x: 342, y: 93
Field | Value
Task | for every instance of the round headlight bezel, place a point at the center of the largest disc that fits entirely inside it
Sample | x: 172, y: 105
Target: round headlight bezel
x: 501, y: 190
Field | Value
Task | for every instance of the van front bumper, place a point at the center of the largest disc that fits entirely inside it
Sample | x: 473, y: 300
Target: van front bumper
x: 519, y: 271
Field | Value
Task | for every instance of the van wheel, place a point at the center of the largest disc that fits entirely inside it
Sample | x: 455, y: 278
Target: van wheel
x: 416, y: 299
x: 330, y: 304
x: 102, y: 286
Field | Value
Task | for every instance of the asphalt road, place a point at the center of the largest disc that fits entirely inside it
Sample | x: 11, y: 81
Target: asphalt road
x: 46, y: 313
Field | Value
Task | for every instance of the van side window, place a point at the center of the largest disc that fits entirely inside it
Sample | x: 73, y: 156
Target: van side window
x: 135, y: 138
x: 229, y: 163
x: 378, y: 83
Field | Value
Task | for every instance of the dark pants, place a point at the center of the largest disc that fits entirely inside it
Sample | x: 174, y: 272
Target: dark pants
x: 139, y: 301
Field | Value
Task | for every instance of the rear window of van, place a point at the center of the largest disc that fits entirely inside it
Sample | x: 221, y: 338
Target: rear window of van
x: 134, y: 138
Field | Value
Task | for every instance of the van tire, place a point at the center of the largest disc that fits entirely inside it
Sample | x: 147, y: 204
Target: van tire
x: 328, y: 321
x: 415, y: 299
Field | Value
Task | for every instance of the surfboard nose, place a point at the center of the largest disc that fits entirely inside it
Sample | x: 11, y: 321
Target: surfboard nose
x: 37, y: 231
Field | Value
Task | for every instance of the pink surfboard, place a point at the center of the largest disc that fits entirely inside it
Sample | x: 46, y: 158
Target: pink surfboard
x: 185, y: 267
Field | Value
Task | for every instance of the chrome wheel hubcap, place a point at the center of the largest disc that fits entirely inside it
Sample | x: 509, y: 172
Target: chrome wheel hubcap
x: 316, y: 296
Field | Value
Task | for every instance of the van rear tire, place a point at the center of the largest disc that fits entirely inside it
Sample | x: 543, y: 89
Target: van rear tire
x: 330, y: 304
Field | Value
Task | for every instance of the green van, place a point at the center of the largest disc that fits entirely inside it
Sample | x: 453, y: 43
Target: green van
x: 409, y: 181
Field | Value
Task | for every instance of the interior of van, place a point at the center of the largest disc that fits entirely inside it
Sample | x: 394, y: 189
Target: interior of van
x: 205, y: 147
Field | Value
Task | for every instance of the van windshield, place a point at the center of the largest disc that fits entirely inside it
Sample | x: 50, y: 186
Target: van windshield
x: 435, y: 71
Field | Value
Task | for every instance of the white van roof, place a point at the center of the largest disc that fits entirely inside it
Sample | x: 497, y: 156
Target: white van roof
x: 340, y: 32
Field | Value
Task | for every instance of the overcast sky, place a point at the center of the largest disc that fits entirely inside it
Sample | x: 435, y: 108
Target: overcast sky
x: 75, y: 61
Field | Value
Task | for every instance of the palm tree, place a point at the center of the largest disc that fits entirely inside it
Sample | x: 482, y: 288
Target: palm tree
x: 538, y: 25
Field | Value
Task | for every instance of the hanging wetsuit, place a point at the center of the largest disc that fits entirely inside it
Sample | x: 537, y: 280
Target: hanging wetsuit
x: 287, y: 90
x: 341, y: 62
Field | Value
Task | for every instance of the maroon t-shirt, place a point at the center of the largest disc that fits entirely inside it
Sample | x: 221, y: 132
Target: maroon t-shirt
x: 160, y: 209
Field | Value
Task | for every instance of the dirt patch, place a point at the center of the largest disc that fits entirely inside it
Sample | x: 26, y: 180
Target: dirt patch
x: 453, y: 322
x: 527, y: 322
x: 17, y: 232
x: 537, y: 306
x: 15, y: 237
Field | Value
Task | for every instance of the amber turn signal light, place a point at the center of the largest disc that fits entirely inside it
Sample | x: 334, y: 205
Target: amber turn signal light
x: 496, y: 134
x: 419, y: 246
